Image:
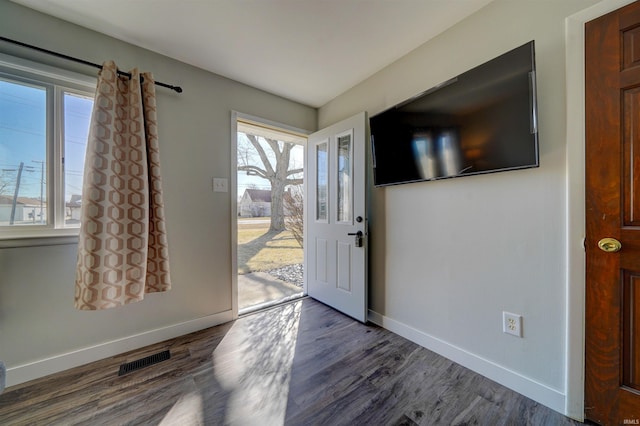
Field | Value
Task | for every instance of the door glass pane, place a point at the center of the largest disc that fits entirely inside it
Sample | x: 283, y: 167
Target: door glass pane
x: 77, y: 114
x: 322, y: 180
x: 23, y: 154
x: 344, y: 178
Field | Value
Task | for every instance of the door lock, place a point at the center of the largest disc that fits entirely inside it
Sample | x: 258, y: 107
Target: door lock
x: 358, y: 236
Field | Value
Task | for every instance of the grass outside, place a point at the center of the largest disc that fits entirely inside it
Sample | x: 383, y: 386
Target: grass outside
x: 261, y: 250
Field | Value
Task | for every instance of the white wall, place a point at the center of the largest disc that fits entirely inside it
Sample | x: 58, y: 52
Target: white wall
x: 38, y: 323
x: 479, y: 245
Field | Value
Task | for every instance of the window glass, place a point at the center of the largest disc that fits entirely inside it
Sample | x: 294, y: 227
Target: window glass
x: 344, y: 178
x: 322, y: 181
x: 77, y: 114
x: 23, y: 154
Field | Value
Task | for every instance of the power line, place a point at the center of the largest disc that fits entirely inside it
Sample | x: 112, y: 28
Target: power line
x: 18, y: 130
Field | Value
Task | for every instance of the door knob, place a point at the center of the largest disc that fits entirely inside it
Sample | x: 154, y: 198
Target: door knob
x: 610, y: 245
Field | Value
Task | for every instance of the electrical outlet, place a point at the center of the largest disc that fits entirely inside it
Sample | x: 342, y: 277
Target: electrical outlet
x: 512, y: 323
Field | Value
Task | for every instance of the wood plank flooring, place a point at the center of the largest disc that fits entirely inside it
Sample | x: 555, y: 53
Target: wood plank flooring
x: 297, y: 364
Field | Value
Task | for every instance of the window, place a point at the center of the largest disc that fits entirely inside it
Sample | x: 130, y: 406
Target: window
x: 322, y: 181
x: 44, y: 124
x: 345, y: 165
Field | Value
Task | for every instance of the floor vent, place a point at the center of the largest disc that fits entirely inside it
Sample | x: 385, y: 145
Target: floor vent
x: 143, y: 362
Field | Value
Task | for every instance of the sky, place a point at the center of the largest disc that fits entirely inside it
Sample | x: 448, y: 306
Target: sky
x: 22, y: 136
x: 23, y: 139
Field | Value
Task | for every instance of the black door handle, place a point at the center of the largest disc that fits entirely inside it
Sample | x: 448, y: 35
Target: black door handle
x: 358, y: 236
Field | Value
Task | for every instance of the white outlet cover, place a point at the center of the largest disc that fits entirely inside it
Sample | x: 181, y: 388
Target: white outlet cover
x: 512, y: 324
x: 220, y: 185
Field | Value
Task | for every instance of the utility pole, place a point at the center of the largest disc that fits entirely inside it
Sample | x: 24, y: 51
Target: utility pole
x: 41, y: 186
x: 15, y: 194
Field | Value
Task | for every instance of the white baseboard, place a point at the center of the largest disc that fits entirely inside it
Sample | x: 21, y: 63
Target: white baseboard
x: 34, y: 370
x: 515, y: 381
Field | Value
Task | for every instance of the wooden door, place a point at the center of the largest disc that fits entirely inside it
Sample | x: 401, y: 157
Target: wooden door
x: 612, y: 358
x: 336, y: 241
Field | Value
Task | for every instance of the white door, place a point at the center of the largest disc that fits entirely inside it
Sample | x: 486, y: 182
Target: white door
x: 336, y: 241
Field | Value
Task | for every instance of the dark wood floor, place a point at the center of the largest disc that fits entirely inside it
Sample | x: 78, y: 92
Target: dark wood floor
x: 297, y: 364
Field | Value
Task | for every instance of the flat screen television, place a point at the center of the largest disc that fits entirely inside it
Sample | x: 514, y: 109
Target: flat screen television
x: 482, y: 121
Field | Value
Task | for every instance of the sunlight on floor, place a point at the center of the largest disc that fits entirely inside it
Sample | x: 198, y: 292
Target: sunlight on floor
x: 255, y: 367
x: 187, y: 410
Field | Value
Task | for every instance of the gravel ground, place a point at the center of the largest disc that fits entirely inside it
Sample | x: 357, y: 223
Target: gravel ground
x: 290, y: 273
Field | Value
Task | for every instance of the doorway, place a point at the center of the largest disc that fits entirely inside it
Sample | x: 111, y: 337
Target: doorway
x: 268, y: 214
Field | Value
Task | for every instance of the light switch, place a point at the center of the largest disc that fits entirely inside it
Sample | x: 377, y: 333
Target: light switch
x: 220, y: 185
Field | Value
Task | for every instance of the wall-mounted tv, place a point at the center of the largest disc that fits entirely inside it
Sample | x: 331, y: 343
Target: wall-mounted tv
x: 482, y: 121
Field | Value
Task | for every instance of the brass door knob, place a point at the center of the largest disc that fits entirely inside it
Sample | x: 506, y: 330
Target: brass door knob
x: 610, y: 245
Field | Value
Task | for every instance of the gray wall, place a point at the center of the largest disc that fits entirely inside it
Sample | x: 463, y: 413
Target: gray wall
x: 37, y: 317
x: 449, y: 256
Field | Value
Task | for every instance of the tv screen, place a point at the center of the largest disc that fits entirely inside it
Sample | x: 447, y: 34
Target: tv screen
x: 481, y: 121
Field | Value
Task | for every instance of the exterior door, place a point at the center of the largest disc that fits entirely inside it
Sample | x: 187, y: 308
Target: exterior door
x: 612, y: 358
x: 336, y: 240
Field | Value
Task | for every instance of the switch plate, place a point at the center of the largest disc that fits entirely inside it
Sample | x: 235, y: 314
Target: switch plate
x: 220, y: 185
x: 512, y: 324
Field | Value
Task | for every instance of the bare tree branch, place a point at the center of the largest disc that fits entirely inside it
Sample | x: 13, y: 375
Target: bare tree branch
x: 294, y: 203
x: 275, y: 157
x: 294, y: 171
x: 257, y: 171
x: 5, y: 182
x: 295, y: 181
x: 263, y: 156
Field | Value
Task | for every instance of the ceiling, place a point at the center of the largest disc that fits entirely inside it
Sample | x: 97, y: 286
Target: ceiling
x: 308, y: 51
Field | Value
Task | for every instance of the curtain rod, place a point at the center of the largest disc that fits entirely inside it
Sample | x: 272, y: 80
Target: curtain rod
x: 177, y: 89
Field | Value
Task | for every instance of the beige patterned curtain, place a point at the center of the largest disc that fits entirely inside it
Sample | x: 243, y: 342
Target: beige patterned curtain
x: 122, y: 250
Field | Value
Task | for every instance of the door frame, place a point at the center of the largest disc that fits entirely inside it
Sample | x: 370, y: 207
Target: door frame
x: 233, y: 190
x: 576, y: 213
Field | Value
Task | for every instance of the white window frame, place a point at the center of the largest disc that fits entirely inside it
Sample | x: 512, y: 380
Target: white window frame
x: 58, y: 81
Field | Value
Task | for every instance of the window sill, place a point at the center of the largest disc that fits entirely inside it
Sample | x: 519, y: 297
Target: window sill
x: 39, y: 238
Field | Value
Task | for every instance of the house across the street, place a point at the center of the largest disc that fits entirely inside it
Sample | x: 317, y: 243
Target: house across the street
x: 26, y: 209
x: 255, y: 203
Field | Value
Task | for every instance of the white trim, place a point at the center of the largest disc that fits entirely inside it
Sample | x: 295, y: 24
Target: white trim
x: 543, y: 394
x: 53, y: 74
x: 57, y: 363
x: 249, y: 126
x: 233, y: 189
x: 40, y: 241
x: 269, y: 123
x: 34, y: 235
x: 575, y: 219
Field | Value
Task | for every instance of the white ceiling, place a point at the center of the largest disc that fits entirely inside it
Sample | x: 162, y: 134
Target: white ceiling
x: 309, y: 51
